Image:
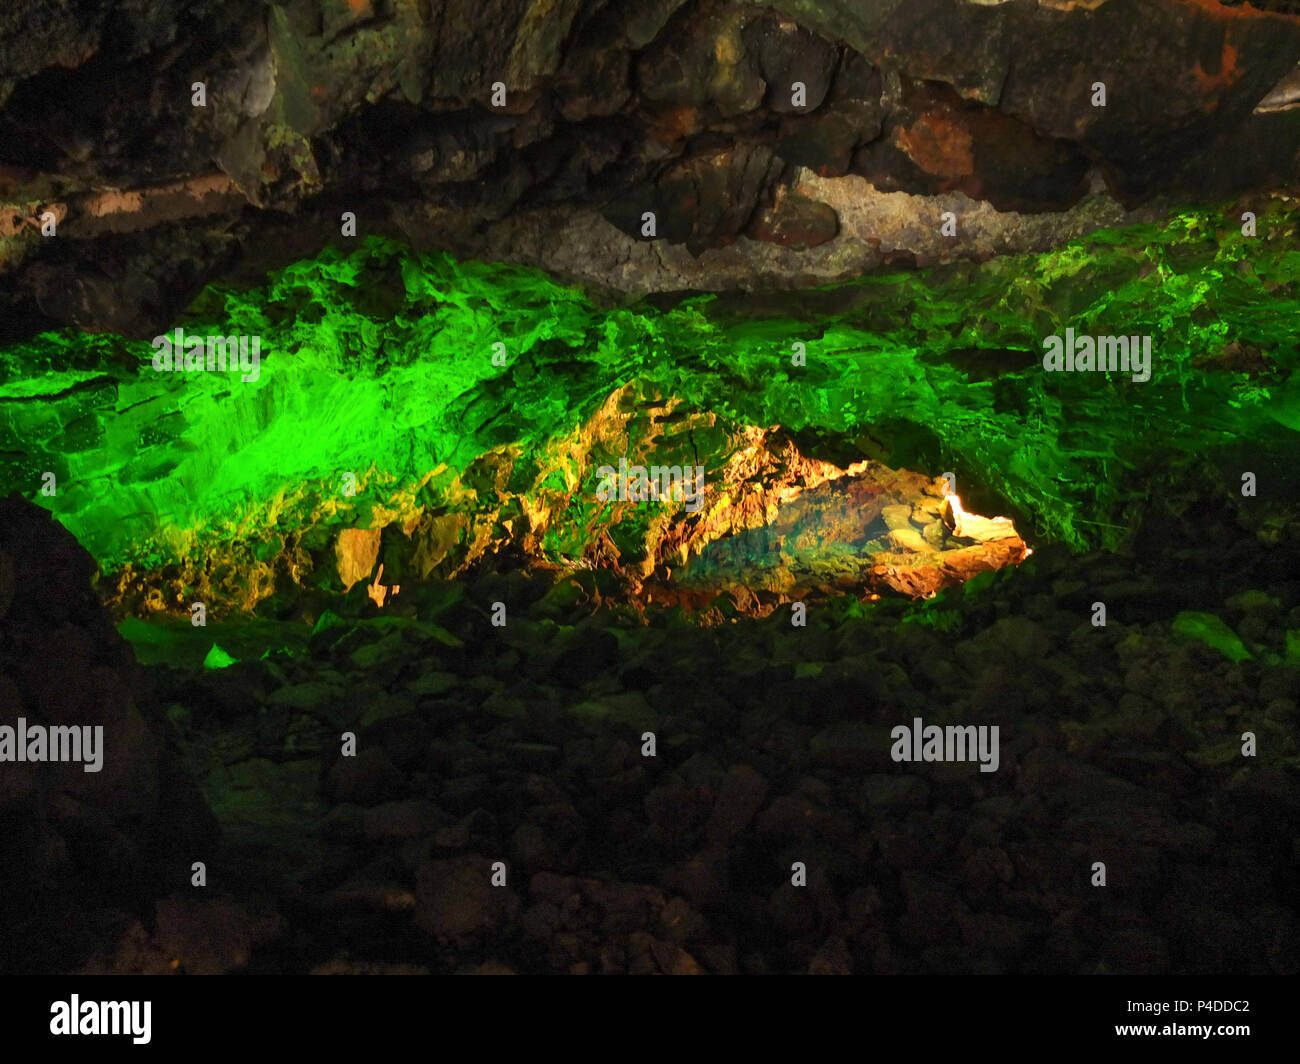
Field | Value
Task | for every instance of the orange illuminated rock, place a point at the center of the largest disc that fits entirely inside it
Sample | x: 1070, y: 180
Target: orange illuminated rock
x: 357, y: 550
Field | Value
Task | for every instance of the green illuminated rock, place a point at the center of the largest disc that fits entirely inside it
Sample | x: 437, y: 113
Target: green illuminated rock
x: 1210, y: 630
x: 218, y: 659
x: 378, y: 366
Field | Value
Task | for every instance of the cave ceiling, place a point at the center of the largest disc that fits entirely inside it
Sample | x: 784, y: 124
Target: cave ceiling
x: 782, y: 144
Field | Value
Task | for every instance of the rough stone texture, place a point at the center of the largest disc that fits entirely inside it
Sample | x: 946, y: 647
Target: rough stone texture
x: 770, y: 525
x: 688, y: 110
x: 80, y: 843
x: 873, y: 229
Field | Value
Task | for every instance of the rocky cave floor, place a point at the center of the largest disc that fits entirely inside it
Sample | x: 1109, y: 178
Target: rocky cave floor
x: 522, y: 744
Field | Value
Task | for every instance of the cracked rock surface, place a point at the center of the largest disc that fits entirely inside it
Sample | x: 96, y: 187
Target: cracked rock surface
x: 779, y: 144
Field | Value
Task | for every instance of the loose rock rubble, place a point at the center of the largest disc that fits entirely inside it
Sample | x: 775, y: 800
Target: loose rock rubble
x: 524, y: 745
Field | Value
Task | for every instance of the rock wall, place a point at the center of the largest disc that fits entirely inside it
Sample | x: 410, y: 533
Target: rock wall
x: 83, y: 849
x: 472, y: 406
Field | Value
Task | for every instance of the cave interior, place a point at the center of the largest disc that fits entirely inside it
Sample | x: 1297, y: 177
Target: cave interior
x: 684, y: 486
